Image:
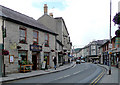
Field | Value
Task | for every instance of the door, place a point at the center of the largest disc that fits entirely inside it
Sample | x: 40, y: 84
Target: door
x: 34, y: 60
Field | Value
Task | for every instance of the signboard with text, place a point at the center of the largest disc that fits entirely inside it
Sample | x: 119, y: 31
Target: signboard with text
x: 35, y: 48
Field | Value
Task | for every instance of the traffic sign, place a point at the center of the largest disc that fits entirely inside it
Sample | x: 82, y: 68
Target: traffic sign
x: 110, y: 45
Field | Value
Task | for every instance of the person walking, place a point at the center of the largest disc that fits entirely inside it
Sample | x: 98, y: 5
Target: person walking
x: 55, y: 62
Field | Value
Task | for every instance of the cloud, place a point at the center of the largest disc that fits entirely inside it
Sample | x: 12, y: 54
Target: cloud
x: 86, y: 20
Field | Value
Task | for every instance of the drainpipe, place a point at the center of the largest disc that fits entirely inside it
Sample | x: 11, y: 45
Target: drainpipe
x: 3, y: 48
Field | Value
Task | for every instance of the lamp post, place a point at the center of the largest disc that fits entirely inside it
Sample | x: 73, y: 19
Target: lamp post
x: 110, y: 39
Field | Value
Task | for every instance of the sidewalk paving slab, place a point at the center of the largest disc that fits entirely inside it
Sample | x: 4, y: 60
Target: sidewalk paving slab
x: 16, y: 76
x: 113, y: 78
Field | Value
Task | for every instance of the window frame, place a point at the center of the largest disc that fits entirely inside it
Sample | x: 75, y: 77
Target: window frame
x: 47, y: 44
x: 37, y: 36
x: 22, y: 28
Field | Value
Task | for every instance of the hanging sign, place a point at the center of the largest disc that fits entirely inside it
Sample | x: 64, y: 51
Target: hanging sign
x: 35, y: 48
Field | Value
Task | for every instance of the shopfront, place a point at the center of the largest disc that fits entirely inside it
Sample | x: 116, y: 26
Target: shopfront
x: 60, y: 58
x: 47, y: 55
x: 36, y: 56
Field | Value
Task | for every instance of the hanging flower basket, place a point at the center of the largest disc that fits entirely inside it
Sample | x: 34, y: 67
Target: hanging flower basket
x: 117, y: 33
x: 35, y: 43
x: 5, y: 52
x: 64, y: 53
x: 22, y: 41
x: 116, y: 18
x: 60, y: 52
x: 18, y: 47
x: 52, y: 50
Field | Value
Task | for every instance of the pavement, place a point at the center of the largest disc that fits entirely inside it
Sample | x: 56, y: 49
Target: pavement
x: 114, y: 78
x: 17, y: 76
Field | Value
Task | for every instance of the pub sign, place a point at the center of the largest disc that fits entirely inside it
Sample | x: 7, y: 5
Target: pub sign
x: 35, y: 48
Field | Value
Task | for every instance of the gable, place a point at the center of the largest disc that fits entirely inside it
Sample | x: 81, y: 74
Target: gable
x: 48, y: 21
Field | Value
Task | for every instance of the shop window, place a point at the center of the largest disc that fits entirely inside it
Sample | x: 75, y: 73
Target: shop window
x: 46, y: 54
x: 35, y: 37
x: 22, y: 36
x: 22, y: 55
x: 46, y: 40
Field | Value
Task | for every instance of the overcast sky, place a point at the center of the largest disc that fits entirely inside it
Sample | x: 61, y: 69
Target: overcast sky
x: 86, y: 20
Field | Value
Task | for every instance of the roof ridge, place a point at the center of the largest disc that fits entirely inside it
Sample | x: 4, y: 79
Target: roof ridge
x: 16, y: 12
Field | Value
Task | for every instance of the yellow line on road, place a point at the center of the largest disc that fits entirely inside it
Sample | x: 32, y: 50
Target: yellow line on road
x: 98, y: 78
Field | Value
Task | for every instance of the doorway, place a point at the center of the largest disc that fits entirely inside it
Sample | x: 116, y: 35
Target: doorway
x: 35, y: 60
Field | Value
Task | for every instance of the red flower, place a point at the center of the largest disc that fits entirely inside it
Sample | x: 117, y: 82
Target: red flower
x: 5, y: 52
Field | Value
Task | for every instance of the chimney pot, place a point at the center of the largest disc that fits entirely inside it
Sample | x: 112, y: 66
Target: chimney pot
x: 51, y: 14
x: 45, y: 8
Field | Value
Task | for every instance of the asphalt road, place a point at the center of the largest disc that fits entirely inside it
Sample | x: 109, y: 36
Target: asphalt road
x: 80, y: 73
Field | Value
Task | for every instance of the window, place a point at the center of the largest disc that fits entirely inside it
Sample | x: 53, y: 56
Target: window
x: 46, y: 40
x: 35, y: 36
x: 22, y: 55
x: 22, y: 35
x: 46, y: 54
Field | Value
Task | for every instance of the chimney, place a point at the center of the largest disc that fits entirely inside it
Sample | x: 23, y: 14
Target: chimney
x: 45, y: 8
x: 51, y: 14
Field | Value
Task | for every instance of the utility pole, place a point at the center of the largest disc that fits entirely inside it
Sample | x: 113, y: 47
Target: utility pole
x: 110, y: 40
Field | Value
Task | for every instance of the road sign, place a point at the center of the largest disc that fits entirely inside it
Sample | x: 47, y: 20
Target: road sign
x: 110, y: 46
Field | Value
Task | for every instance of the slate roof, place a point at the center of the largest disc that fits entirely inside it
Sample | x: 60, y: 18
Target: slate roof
x: 17, y: 17
x: 63, y: 22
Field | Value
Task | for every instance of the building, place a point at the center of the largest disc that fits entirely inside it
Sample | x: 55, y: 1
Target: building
x: 63, y: 43
x: 115, y: 52
x: 1, y: 43
x: 26, y: 39
x: 90, y: 53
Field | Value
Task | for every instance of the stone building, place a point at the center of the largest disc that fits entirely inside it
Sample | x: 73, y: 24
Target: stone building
x: 90, y: 52
x: 26, y: 39
x: 115, y: 52
x: 63, y: 43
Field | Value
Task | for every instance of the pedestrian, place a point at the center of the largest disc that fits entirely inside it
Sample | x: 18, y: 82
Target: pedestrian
x: 55, y: 62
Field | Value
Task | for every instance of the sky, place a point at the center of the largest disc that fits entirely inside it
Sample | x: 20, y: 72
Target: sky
x: 86, y: 20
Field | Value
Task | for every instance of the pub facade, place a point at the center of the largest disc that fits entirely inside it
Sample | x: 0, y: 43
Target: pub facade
x: 25, y: 40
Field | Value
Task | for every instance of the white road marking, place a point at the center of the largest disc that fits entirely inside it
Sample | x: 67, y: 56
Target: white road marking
x: 66, y: 76
x: 63, y: 77
x: 59, y: 78
x: 76, y: 72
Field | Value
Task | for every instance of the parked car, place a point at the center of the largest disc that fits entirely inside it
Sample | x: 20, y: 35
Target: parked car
x: 77, y: 61
x: 82, y: 61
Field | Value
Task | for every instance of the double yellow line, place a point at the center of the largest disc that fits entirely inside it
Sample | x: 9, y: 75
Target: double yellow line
x: 97, y: 79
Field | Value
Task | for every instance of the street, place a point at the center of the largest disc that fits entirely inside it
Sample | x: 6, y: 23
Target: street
x: 79, y: 73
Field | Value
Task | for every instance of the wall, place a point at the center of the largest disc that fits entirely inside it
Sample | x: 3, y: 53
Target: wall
x: 1, y: 31
x: 12, y: 39
x: 1, y: 42
x: 48, y: 21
